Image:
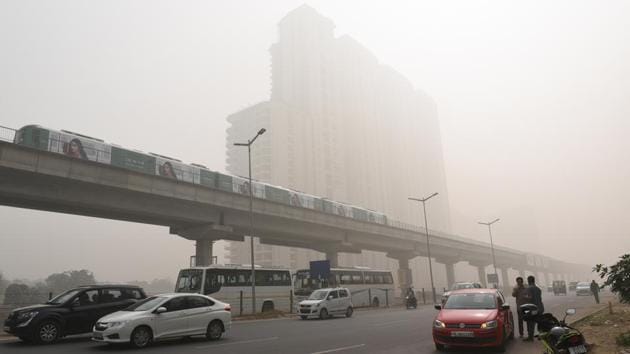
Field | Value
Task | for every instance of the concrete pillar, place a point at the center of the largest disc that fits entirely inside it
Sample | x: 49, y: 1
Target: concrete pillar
x: 333, y: 257
x: 404, y: 274
x: 203, y: 253
x: 481, y: 271
x: 450, y: 274
x: 504, y: 277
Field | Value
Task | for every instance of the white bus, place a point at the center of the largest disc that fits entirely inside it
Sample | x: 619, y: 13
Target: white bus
x: 368, y: 287
x: 232, y: 284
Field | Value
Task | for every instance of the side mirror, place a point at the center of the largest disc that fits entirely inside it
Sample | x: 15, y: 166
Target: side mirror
x: 160, y: 310
x: 505, y: 307
x: 570, y: 312
x: 330, y: 297
x: 74, y: 303
x: 438, y: 307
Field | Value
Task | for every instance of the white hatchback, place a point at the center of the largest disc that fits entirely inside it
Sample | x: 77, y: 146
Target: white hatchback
x: 326, y: 302
x: 165, y: 316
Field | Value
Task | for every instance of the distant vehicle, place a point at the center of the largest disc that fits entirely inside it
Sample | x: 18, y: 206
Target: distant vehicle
x: 85, y: 147
x: 559, y: 287
x: 227, y: 282
x: 459, y: 286
x: 572, y: 285
x: 368, y: 287
x: 165, y: 316
x: 324, y: 303
x: 72, y: 312
x: 473, y: 318
x: 583, y: 289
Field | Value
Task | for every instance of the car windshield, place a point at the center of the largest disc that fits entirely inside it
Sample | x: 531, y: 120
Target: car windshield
x: 463, y: 286
x: 146, y: 304
x: 318, y: 295
x: 472, y: 301
x: 63, y: 297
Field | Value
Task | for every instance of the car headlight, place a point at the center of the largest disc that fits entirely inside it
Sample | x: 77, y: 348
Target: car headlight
x: 25, y: 318
x: 439, y: 324
x: 116, y: 324
x: 489, y: 325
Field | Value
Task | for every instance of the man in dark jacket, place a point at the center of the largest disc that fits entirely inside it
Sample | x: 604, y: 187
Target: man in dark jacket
x: 535, y: 297
x: 595, y: 291
x: 521, y: 294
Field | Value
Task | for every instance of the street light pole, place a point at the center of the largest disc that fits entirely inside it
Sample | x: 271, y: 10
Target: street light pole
x: 426, y: 229
x: 251, y: 213
x: 494, y: 260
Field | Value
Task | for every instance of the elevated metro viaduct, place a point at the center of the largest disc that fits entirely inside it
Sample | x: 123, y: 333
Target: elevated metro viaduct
x: 47, y: 181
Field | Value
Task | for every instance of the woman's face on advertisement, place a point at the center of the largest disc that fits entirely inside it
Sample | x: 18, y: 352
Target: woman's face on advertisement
x: 74, y: 147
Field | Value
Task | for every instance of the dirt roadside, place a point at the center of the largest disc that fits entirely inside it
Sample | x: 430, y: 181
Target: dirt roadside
x: 602, y: 328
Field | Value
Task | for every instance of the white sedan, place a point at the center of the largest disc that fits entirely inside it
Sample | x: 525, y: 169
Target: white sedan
x: 165, y: 316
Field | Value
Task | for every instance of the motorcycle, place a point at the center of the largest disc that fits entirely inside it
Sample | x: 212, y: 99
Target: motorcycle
x: 556, y: 336
x: 411, y: 302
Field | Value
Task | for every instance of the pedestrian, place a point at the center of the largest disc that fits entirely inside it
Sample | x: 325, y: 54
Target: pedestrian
x: 595, y: 290
x: 535, y: 297
x: 522, y: 297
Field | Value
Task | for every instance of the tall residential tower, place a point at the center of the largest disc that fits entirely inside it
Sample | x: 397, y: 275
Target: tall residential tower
x: 343, y: 126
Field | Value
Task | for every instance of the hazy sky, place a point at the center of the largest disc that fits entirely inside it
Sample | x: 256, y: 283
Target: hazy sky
x: 533, y: 100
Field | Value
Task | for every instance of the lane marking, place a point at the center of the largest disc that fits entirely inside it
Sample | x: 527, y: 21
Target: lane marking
x: 239, y: 342
x: 340, y: 349
x: 390, y: 322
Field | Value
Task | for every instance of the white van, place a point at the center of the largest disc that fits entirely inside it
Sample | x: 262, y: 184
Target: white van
x: 326, y: 302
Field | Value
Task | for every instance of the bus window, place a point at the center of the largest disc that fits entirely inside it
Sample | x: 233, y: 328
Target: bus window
x: 357, y: 278
x: 213, y: 282
x: 369, y: 278
x: 189, y: 281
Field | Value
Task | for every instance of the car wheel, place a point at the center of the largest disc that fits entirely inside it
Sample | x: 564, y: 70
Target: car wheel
x: 48, y: 332
x: 512, y: 326
x: 141, y: 337
x: 375, y: 302
x: 349, y: 312
x: 214, y: 330
x: 439, y: 347
x: 303, y: 317
x: 323, y: 314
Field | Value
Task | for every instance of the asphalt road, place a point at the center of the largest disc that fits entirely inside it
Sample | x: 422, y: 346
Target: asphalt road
x: 391, y: 331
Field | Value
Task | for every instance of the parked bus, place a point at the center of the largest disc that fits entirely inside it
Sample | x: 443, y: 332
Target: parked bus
x: 232, y: 284
x: 368, y: 287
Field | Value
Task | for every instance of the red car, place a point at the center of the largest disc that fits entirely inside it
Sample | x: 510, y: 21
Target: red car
x: 473, y: 318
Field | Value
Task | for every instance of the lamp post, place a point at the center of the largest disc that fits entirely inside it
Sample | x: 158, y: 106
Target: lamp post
x: 426, y: 229
x: 251, y: 213
x: 494, y: 260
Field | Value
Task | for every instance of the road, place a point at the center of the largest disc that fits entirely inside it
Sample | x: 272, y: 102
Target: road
x: 390, y: 331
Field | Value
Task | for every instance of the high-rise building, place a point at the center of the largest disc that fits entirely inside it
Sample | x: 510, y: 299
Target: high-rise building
x: 343, y: 126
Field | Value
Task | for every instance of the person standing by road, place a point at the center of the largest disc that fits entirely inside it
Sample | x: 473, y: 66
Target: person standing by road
x: 535, y: 297
x: 521, y: 294
x: 595, y: 290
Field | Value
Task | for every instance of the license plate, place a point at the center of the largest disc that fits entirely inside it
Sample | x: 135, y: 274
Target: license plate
x: 577, y: 350
x: 462, y: 334
x: 97, y: 336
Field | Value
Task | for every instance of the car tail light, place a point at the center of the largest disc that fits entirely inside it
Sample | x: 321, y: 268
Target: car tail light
x: 228, y: 307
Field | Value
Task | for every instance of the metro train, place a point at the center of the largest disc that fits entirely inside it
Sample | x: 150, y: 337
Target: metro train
x: 88, y: 148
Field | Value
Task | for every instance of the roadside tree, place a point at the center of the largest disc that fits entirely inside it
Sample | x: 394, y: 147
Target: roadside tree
x: 617, y: 276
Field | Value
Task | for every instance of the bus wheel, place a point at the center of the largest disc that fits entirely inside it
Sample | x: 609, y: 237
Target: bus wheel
x: 375, y: 302
x: 267, y: 306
